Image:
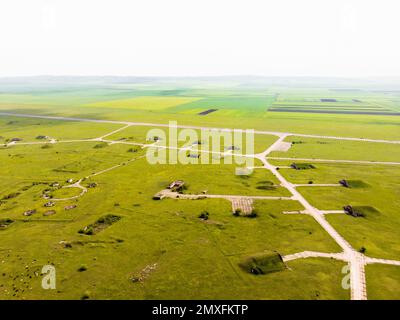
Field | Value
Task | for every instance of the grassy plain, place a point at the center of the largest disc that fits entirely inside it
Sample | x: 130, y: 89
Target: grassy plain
x: 164, y: 243
x: 383, y: 282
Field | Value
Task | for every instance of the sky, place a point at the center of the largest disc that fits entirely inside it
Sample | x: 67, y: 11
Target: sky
x: 346, y: 38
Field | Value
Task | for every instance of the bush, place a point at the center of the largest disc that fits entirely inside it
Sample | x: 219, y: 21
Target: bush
x: 82, y: 268
x: 100, y: 145
x: 85, y: 296
x: 100, y: 224
x: 204, y: 215
x: 252, y: 214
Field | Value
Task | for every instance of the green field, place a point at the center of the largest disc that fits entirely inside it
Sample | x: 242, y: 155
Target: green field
x: 319, y: 148
x: 144, y: 103
x: 140, y: 248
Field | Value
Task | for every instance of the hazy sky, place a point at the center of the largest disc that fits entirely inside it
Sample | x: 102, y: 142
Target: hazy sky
x: 200, y: 37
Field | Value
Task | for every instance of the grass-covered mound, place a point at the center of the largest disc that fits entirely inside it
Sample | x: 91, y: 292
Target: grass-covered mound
x: 263, y: 263
x: 265, y: 185
x: 357, y: 184
x: 361, y: 211
x: 100, y: 145
x: 302, y: 166
x: 366, y: 210
x: 101, y: 224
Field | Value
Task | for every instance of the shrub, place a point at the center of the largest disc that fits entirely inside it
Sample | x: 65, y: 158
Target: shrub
x: 100, y: 145
x: 100, y: 224
x: 85, y: 296
x: 82, y: 268
x: 252, y: 214
x: 204, y: 215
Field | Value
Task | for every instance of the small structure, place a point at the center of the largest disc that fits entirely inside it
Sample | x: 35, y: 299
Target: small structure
x: 29, y: 212
x: 351, y: 212
x: 49, y: 204
x: 70, y: 180
x: 176, y: 185
x: 92, y: 185
x: 15, y: 139
x: 344, y: 183
x: 70, y: 207
x: 55, y: 185
x: 40, y: 137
